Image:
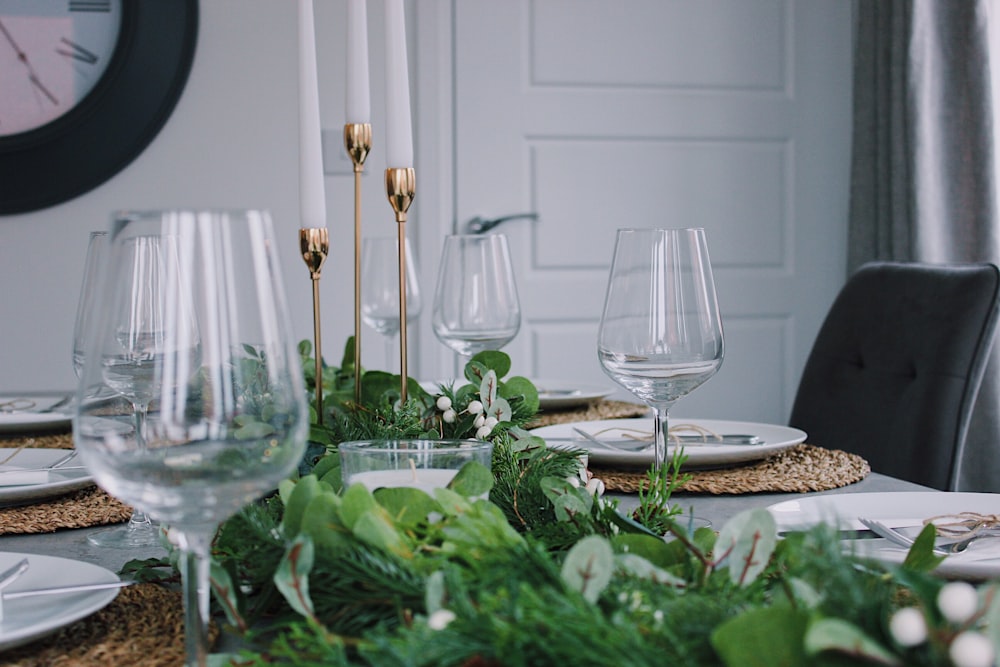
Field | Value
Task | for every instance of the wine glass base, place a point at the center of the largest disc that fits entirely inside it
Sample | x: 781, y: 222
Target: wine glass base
x: 132, y: 536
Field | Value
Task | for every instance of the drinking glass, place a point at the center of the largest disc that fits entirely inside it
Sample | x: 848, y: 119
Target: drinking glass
x: 380, y: 289
x: 141, y: 262
x: 475, y: 304
x: 96, y: 251
x: 660, y: 335
x: 229, y: 417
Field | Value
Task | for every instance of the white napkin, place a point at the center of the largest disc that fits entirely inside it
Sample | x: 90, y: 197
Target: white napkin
x: 15, y: 476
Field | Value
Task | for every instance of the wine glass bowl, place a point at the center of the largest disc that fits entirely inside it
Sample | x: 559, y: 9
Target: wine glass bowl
x: 476, y: 306
x: 660, y: 335
x: 228, y: 417
x: 380, y: 288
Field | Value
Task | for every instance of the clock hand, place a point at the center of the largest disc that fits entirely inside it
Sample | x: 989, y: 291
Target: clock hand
x: 23, y: 57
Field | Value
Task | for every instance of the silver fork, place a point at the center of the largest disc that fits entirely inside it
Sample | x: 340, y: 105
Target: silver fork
x: 897, y: 537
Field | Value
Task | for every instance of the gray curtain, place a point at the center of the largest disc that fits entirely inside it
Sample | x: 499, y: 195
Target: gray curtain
x: 923, y: 181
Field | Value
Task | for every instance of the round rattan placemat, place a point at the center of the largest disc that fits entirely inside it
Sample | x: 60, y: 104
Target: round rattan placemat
x: 80, y: 509
x: 800, y: 469
x: 143, y: 625
x: 593, y: 411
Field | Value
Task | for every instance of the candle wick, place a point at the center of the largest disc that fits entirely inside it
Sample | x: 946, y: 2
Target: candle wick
x: 413, y: 469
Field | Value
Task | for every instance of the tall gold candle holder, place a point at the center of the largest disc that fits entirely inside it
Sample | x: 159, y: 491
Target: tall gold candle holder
x: 314, y: 243
x: 358, y: 142
x: 400, y: 185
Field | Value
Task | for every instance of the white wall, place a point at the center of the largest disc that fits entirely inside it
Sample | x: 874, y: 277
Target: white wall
x: 231, y: 142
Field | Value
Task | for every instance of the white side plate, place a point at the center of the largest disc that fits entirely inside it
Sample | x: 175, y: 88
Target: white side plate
x: 33, y: 419
x: 564, y: 394
x: 27, y: 619
x: 905, y: 508
x: 775, y: 437
x: 60, y: 481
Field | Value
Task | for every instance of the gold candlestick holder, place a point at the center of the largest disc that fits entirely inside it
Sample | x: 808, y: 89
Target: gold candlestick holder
x: 358, y: 143
x: 314, y: 243
x: 400, y: 185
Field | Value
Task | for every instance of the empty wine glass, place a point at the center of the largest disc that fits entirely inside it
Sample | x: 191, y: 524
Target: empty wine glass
x: 230, y: 418
x: 475, y: 304
x: 96, y: 250
x: 139, y: 267
x: 380, y: 289
x: 660, y: 335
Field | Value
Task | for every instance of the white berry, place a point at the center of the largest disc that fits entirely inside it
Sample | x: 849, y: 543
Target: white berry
x: 958, y: 601
x: 908, y: 627
x: 449, y: 416
x: 491, y: 422
x: 595, y: 487
x: 475, y: 407
x: 479, y: 421
x: 971, y: 649
x: 443, y: 403
x: 573, y: 481
x: 440, y: 619
x: 483, y: 432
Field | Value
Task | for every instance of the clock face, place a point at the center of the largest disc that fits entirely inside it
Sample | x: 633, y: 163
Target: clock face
x: 52, y: 54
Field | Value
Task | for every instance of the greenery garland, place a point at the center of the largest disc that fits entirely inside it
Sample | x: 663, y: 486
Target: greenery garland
x: 547, y: 571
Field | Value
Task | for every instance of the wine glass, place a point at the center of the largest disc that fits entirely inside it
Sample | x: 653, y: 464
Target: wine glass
x: 96, y: 251
x: 380, y: 289
x: 660, y: 335
x: 140, y: 263
x: 475, y: 304
x: 231, y: 418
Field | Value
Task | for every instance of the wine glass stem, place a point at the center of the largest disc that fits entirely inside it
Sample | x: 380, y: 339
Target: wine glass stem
x: 139, y: 520
x: 391, y: 353
x: 194, y: 567
x: 660, y: 434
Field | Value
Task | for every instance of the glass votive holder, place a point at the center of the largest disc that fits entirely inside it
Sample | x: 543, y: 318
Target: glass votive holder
x: 421, y: 464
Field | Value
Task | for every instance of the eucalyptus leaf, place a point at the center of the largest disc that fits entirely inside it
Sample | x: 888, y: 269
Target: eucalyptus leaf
x: 746, y: 543
x: 254, y: 431
x: 651, y: 548
x: 356, y: 501
x: 488, y: 389
x: 588, y: 566
x: 292, y: 575
x: 376, y: 529
x: 762, y: 637
x: 519, y: 386
x: 322, y: 523
x: 305, y: 490
x: 835, y: 634
x: 495, y: 360
x: 921, y: 556
x: 500, y: 409
x: 473, y: 479
x: 992, y: 613
x: 637, y: 566
x: 225, y: 593
x: 452, y: 503
x: 406, y: 506
x: 436, y: 593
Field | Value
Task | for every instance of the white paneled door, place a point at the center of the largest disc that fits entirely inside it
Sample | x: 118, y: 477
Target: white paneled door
x: 732, y: 115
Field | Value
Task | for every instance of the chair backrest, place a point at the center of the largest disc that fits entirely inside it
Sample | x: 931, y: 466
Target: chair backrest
x: 896, y: 366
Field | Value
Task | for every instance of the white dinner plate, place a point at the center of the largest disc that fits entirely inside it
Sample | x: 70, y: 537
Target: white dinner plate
x: 897, y: 509
x: 34, y: 418
x: 775, y: 437
x: 564, y: 394
x: 59, y: 482
x: 26, y: 619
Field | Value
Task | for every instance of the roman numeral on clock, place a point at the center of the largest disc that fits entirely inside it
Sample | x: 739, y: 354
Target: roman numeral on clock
x: 90, y: 5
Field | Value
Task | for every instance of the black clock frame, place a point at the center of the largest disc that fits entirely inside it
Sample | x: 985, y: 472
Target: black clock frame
x: 115, y: 122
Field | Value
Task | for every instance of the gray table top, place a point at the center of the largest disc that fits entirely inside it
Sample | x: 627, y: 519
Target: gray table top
x: 73, y: 543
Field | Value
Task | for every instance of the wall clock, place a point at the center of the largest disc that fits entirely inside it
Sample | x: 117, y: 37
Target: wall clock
x: 85, y: 86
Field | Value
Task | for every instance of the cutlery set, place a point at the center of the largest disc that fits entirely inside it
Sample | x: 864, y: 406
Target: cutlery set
x: 945, y: 548
x: 638, y: 444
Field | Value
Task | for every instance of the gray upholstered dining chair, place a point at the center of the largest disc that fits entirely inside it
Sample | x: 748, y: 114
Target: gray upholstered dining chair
x: 896, y: 366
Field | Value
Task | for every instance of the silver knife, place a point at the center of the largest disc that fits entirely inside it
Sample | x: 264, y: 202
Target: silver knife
x: 62, y: 590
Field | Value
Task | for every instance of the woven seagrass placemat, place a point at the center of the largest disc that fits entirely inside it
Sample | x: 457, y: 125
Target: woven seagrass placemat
x: 143, y: 625
x: 591, y: 412
x: 800, y: 469
x: 80, y: 509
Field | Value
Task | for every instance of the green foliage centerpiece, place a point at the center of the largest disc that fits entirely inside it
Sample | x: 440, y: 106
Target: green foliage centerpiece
x: 547, y: 571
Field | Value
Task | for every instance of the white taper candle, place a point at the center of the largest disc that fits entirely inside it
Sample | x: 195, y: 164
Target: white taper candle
x: 312, y: 196
x: 399, y: 132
